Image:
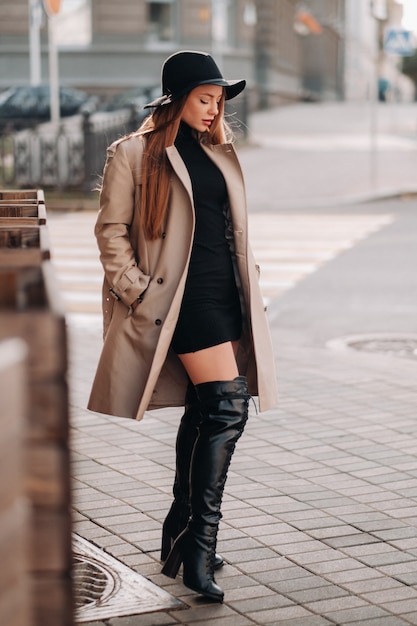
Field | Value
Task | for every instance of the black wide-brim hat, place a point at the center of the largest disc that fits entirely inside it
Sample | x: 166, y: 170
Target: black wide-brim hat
x: 187, y: 69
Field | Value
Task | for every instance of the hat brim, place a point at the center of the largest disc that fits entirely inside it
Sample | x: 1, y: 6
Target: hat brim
x: 232, y: 88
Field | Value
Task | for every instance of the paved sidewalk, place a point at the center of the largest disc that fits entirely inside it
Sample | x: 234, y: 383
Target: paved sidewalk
x: 320, y: 509
x: 315, y: 155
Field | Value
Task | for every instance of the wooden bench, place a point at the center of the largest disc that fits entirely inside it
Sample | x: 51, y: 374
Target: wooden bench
x: 34, y: 196
x: 24, y: 245
x: 23, y: 214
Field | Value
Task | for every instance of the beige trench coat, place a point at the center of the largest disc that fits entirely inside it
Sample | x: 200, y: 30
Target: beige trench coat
x: 137, y: 369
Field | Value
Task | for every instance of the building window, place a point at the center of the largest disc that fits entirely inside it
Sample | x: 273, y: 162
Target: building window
x: 161, y: 20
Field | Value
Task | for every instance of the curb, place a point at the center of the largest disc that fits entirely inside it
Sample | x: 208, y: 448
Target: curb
x: 71, y: 204
x: 336, y: 201
x: 389, y: 193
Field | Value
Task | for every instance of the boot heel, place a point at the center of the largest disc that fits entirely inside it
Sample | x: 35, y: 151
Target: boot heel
x: 173, y: 562
x: 166, y: 545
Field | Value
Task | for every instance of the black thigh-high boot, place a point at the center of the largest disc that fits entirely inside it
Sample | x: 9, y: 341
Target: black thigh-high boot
x: 179, y: 513
x: 224, y: 406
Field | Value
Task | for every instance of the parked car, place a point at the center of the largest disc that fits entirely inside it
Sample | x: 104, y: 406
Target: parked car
x: 133, y: 98
x: 28, y: 105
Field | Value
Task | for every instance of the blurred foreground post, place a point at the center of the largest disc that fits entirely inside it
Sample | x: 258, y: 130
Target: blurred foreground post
x: 31, y: 310
x: 15, y: 607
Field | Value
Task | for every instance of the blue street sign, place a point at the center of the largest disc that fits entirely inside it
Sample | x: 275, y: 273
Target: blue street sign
x: 399, y: 41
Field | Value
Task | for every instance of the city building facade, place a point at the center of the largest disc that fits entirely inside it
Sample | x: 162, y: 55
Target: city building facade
x: 286, y: 49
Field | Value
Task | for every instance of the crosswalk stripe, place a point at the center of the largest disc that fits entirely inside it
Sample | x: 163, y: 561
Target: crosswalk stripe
x: 287, y: 246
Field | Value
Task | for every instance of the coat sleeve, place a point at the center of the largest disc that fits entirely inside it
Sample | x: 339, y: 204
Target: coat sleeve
x: 117, y: 204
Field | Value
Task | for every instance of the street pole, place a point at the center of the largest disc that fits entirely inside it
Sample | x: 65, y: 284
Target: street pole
x: 52, y: 8
x: 219, y: 23
x: 378, y: 12
x: 35, y: 22
x: 53, y: 70
x: 373, y: 130
x: 378, y: 9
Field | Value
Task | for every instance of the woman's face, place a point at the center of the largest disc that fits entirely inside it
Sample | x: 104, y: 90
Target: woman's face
x: 202, y: 106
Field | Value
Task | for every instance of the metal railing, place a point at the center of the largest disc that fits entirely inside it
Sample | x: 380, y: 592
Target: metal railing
x: 69, y: 155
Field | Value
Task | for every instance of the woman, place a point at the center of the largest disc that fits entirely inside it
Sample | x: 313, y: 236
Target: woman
x: 183, y: 314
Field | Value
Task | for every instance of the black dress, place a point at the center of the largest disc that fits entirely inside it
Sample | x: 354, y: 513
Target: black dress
x: 210, y: 311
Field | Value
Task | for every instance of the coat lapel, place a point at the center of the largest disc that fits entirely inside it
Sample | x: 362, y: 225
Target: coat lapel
x: 224, y: 156
x: 180, y: 170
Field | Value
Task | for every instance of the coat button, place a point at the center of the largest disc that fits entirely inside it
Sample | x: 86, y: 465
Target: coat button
x: 160, y: 281
x: 158, y: 322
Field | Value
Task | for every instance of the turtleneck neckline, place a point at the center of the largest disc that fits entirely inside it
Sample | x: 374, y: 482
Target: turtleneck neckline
x: 185, y: 132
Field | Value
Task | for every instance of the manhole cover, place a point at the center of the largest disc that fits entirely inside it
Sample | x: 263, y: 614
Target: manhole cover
x: 105, y: 588
x: 397, y: 345
x: 92, y: 582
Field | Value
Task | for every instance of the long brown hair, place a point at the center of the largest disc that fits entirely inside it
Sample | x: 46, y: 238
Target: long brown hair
x: 160, y: 130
